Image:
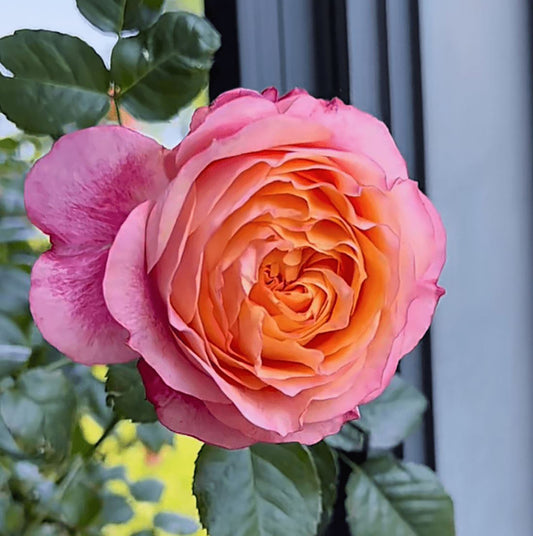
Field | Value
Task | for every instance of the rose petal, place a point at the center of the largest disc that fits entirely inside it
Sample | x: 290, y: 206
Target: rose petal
x: 79, y: 194
x: 133, y: 303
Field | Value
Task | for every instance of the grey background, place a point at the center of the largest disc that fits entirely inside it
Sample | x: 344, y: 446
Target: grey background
x: 477, y: 123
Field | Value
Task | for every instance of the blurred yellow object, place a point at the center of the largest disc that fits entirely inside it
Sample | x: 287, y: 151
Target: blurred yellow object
x: 173, y: 465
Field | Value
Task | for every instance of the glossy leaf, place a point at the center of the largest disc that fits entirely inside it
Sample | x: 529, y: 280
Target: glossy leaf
x: 162, y: 69
x: 257, y: 490
x: 148, y: 490
x: 175, y: 524
x: 59, y: 82
x: 126, y: 394
x: 385, y: 497
x: 392, y: 416
x: 327, y: 468
x: 119, y: 15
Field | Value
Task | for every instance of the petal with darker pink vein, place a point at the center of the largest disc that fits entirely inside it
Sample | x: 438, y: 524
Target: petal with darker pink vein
x: 79, y: 194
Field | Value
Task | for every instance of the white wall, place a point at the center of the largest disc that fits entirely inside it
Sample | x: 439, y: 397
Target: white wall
x: 478, y: 119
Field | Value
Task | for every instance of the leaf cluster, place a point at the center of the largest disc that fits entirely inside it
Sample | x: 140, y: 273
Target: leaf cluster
x: 272, y: 490
x: 58, y: 83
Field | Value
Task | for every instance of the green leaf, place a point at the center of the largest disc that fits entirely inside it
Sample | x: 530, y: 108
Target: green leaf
x: 264, y: 490
x: 119, y: 15
x: 91, y: 394
x: 16, y: 229
x: 13, y: 358
x: 116, y: 509
x: 174, y: 523
x: 38, y: 411
x: 10, y: 333
x: 148, y: 490
x: 154, y: 435
x: 385, y: 497
x: 81, y: 503
x: 14, y: 289
x: 47, y: 529
x: 126, y: 394
x: 60, y: 83
x: 392, y: 416
x: 11, y: 515
x: 162, y: 69
x: 144, y: 533
x: 350, y: 438
x: 327, y: 468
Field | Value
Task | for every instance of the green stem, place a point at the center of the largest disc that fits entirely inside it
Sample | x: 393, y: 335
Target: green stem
x: 58, y: 363
x: 108, y: 430
x: 60, y: 492
x: 117, y: 108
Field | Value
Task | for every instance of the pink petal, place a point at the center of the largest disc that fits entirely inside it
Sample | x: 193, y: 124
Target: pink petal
x: 187, y: 415
x: 134, y: 304
x: 353, y: 130
x: 79, y: 194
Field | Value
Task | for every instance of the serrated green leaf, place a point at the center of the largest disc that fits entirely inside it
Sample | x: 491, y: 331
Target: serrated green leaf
x: 162, y: 69
x: 350, y: 438
x: 154, y: 435
x: 126, y: 394
x: 148, y: 490
x: 385, y: 497
x: 59, y: 82
x: 258, y: 490
x: 392, y: 416
x: 327, y: 468
x: 13, y: 358
x: 119, y: 15
x: 175, y: 524
x: 14, y: 290
x: 116, y: 509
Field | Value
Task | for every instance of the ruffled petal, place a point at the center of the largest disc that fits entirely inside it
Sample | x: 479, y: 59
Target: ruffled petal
x: 79, y: 194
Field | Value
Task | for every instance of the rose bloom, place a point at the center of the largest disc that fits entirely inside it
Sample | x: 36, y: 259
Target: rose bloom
x: 270, y: 271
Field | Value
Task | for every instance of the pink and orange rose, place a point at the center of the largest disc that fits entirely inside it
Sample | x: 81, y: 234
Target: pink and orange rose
x: 270, y: 271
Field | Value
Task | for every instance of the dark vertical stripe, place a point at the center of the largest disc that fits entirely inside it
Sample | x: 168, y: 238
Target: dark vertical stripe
x: 282, y: 48
x: 225, y: 73
x: 427, y: 369
x: 384, y: 79
x: 332, y: 68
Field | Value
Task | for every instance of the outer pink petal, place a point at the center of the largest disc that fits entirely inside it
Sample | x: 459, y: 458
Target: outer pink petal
x: 220, y: 424
x: 79, y: 194
x: 352, y: 129
x: 132, y: 302
x: 187, y: 415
